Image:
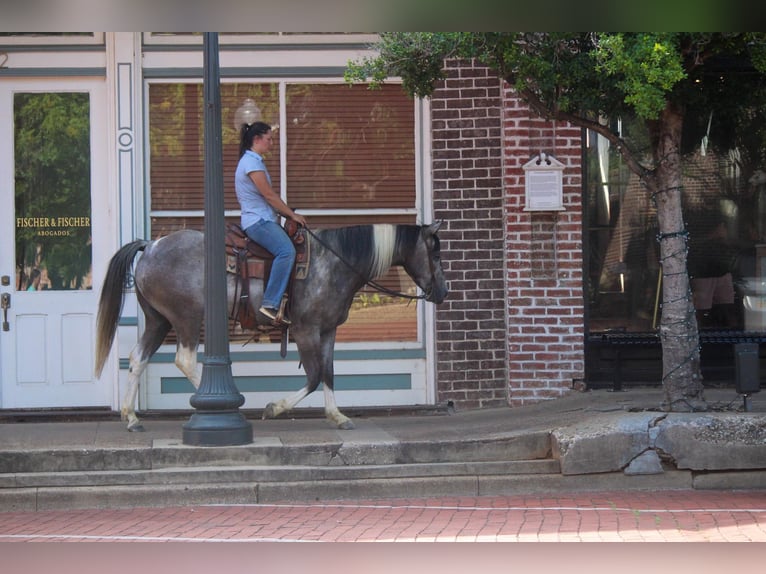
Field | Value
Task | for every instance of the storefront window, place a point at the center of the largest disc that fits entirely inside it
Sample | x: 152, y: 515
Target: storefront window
x: 349, y: 158
x: 724, y: 202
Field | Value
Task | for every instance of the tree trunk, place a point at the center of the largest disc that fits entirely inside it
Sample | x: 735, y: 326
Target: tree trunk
x: 679, y: 335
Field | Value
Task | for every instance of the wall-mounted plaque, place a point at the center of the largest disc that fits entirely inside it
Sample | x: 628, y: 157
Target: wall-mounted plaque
x: 544, y: 184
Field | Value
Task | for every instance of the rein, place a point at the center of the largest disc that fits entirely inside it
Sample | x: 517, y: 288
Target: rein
x: 370, y: 282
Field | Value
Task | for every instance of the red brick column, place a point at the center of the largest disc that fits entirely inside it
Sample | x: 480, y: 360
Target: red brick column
x: 471, y: 346
x: 544, y: 279
x: 512, y: 328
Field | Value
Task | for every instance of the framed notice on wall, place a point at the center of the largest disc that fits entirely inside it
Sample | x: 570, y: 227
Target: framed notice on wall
x: 544, y: 184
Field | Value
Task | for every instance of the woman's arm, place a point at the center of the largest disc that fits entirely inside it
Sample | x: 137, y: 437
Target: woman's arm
x: 273, y: 199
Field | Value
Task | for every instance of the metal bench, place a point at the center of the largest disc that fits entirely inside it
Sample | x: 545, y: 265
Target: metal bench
x: 745, y: 350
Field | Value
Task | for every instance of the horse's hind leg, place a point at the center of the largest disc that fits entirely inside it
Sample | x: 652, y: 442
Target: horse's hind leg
x: 136, y: 368
x: 331, y: 410
x: 156, y: 329
x: 188, y: 330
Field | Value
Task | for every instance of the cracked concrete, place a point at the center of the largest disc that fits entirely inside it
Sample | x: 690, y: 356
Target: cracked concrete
x: 714, y: 441
x: 644, y: 443
x: 603, y: 443
x: 648, y: 462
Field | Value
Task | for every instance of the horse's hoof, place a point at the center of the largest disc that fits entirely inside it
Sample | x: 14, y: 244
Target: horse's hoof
x: 269, y: 412
x: 346, y: 425
x: 136, y: 428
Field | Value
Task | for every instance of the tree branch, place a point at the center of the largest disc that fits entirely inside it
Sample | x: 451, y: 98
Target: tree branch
x: 544, y: 111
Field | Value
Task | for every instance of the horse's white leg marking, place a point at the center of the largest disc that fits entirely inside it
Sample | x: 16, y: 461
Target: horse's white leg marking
x: 128, y: 410
x: 186, y: 361
x: 332, y: 412
x: 287, y: 404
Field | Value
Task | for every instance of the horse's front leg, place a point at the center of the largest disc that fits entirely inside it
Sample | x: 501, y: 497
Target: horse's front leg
x: 273, y: 410
x: 331, y: 410
x: 308, y: 346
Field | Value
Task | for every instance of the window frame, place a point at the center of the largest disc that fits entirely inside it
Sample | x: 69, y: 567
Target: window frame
x: 250, y: 39
x: 32, y: 39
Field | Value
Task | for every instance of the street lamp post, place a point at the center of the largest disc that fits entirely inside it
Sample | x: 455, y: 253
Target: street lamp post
x: 217, y: 420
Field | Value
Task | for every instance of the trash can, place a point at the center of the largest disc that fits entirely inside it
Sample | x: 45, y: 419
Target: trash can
x: 748, y: 377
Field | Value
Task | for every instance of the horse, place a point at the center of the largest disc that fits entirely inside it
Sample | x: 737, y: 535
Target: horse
x: 169, y: 286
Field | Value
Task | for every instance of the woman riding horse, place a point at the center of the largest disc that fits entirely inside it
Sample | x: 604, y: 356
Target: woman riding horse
x: 169, y: 283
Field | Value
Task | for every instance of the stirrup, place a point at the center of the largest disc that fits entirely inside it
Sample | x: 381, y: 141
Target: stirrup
x: 276, y: 316
x: 282, y: 313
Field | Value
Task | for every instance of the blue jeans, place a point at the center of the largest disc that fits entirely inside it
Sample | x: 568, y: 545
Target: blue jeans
x: 271, y: 236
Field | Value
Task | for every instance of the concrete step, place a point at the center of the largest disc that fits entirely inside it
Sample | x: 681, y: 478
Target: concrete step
x: 366, y: 464
x: 232, y: 485
x: 359, y: 449
x: 254, y: 474
x: 251, y: 484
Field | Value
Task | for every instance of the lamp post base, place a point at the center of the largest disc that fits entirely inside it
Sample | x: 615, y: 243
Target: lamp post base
x: 217, y: 428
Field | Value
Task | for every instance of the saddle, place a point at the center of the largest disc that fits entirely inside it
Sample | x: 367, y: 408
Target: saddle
x: 247, y: 260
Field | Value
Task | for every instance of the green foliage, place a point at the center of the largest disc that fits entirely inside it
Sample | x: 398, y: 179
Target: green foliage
x: 417, y: 57
x: 583, y: 74
x: 644, y: 67
x: 366, y: 300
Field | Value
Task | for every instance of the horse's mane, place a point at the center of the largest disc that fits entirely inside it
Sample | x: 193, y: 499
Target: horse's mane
x: 370, y: 248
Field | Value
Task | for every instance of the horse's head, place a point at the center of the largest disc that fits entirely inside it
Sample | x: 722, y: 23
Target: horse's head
x: 424, y: 264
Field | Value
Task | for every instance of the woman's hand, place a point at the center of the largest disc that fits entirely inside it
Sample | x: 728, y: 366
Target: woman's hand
x: 299, y: 219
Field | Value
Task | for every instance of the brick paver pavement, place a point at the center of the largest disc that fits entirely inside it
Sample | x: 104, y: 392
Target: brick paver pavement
x: 668, y: 516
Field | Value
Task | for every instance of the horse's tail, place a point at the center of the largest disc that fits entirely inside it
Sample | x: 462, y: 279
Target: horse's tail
x: 110, y: 302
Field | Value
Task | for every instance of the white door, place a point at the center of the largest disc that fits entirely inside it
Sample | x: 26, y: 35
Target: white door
x: 53, y: 189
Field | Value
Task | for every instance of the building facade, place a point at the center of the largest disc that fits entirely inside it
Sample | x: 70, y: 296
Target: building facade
x: 105, y: 146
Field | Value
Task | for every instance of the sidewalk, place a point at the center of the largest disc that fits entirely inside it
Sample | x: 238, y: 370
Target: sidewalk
x: 438, y: 426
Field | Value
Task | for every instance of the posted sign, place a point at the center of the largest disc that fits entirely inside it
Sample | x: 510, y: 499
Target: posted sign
x: 544, y: 184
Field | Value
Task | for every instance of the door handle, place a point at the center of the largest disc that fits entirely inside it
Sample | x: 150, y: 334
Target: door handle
x: 5, y: 303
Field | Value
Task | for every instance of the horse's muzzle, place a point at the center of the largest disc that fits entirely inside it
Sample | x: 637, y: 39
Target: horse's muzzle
x: 436, y: 294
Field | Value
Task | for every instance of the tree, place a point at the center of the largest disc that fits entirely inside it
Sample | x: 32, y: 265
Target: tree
x: 583, y: 78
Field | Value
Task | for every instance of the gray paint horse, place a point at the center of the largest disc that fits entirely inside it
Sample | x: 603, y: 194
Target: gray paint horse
x: 169, y: 283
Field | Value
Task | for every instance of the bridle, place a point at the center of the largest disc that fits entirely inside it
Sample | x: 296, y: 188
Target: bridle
x: 369, y: 282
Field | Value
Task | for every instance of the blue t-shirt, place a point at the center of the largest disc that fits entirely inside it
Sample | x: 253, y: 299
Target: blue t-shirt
x: 254, y: 206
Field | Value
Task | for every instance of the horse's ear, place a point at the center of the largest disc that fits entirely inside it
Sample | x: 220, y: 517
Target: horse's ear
x: 434, y: 227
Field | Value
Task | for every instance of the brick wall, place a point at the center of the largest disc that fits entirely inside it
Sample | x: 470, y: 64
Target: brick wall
x: 467, y: 188
x: 512, y: 329
x: 544, y: 261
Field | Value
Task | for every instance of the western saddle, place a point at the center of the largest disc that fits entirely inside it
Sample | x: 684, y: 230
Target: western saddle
x: 247, y: 260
